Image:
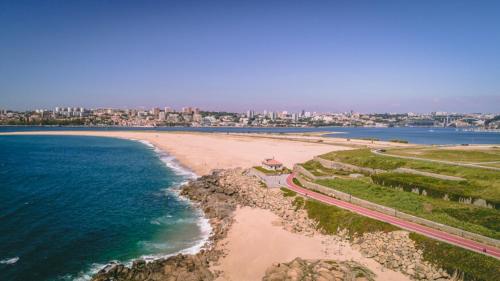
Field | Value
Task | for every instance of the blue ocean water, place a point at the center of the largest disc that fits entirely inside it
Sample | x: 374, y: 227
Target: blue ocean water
x: 417, y: 135
x: 71, y: 204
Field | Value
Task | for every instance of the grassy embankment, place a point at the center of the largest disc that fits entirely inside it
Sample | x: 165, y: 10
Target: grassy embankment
x: 455, y: 155
x: 318, y: 170
x: 331, y: 219
x: 479, y: 183
x: 467, y: 217
x: 470, y: 265
x: 434, y: 187
x: 287, y: 192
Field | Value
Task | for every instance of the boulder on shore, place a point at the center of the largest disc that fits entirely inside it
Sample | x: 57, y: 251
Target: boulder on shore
x: 318, y: 270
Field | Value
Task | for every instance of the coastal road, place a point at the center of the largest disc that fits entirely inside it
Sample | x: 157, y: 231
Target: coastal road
x: 429, y: 232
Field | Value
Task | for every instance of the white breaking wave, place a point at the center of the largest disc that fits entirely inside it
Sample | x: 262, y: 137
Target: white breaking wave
x: 166, y: 220
x: 202, y: 222
x: 205, y: 229
x: 9, y: 260
x: 170, y: 161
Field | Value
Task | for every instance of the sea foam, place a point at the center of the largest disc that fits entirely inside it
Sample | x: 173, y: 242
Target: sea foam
x: 202, y: 222
x: 9, y: 260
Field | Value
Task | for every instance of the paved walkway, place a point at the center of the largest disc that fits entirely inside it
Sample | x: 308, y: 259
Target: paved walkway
x: 429, y: 232
x: 272, y: 181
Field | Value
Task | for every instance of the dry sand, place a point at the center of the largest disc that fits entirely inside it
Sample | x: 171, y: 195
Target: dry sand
x: 256, y: 241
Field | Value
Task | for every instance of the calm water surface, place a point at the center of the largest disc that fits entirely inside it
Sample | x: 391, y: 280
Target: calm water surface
x: 415, y: 135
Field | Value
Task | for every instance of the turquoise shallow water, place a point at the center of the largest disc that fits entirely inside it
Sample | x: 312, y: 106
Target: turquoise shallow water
x: 69, y: 205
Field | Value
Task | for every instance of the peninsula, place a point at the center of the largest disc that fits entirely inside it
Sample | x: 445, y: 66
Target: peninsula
x: 262, y: 233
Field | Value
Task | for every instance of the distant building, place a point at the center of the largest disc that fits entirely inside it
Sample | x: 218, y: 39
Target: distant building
x: 273, y: 115
x: 155, y: 111
x: 162, y: 116
x: 272, y: 164
x: 190, y: 110
x: 197, y: 117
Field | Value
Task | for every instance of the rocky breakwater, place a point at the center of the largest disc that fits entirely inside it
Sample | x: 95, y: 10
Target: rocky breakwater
x: 395, y: 250
x: 218, y: 203
x: 318, y: 270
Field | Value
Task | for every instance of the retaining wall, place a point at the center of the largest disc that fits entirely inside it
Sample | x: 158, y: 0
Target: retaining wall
x: 428, y: 174
x: 303, y: 171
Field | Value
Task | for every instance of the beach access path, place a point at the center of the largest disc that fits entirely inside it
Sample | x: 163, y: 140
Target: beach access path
x: 426, y: 231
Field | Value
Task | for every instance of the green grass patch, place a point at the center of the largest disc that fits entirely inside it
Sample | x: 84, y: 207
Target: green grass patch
x: 472, y: 266
x: 271, y: 172
x: 364, y: 158
x: 331, y: 219
x: 437, y: 210
x: 489, y: 218
x: 287, y: 192
x: 297, y: 182
x: 298, y: 202
x: 433, y: 186
x: 454, y: 155
x: 483, y: 183
x: 318, y: 170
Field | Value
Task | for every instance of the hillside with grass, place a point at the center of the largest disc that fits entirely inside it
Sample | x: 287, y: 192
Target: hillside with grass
x: 480, y: 183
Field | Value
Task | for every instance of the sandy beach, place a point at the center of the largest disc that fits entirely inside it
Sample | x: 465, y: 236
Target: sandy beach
x: 203, y: 152
x: 256, y: 240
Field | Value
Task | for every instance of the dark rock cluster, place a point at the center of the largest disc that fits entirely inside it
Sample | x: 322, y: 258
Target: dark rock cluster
x: 218, y: 202
x: 318, y: 270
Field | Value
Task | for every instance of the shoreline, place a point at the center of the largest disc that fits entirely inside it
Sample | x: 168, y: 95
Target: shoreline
x: 203, y: 223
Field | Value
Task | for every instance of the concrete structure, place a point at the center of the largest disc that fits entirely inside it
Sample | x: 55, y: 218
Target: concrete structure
x: 272, y: 165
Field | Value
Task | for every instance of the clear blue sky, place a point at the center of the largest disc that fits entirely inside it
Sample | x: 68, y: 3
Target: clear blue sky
x: 369, y: 56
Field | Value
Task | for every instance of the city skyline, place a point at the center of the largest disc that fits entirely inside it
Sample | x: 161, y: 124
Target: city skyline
x: 324, y: 57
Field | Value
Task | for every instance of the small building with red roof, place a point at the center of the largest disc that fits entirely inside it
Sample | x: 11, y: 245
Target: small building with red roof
x: 272, y: 164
